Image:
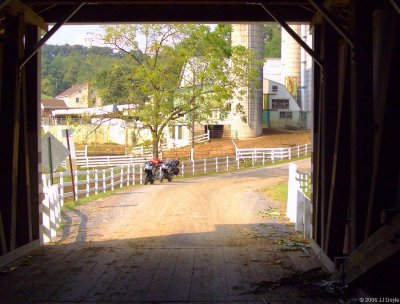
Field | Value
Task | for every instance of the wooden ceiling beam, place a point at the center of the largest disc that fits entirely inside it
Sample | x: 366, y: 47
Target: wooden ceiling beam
x: 15, y: 7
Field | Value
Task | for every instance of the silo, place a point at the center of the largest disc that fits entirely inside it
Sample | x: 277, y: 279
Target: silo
x: 250, y: 36
x: 291, y: 61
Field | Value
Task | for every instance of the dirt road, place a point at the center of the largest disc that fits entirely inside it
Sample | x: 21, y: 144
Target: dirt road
x: 192, y: 240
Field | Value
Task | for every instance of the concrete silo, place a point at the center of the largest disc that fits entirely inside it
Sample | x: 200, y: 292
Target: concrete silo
x: 291, y: 62
x: 250, y: 36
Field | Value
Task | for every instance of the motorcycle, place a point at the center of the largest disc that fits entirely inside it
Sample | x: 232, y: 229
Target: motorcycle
x: 150, y: 170
x: 169, y: 169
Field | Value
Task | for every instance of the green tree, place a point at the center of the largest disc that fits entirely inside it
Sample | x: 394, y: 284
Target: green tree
x: 65, y: 65
x: 179, y: 69
x: 272, y: 41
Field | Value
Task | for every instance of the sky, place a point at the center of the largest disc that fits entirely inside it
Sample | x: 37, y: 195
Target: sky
x: 74, y: 34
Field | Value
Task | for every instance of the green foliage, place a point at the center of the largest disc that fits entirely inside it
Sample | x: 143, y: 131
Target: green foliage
x: 180, y: 70
x: 63, y: 66
x: 272, y: 41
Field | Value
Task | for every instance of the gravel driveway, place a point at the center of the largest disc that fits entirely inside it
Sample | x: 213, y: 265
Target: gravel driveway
x: 192, y: 240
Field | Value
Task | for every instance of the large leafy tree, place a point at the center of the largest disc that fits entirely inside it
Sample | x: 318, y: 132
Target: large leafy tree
x: 175, y: 71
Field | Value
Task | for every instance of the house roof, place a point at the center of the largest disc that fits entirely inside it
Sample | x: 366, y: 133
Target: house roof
x: 53, y: 104
x: 71, y: 90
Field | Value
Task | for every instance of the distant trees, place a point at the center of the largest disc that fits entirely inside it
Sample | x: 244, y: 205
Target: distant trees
x: 272, y: 41
x: 63, y: 66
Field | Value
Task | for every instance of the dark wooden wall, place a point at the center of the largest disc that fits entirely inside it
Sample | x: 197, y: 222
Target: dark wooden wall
x: 19, y: 128
x: 356, y: 132
x: 355, y: 137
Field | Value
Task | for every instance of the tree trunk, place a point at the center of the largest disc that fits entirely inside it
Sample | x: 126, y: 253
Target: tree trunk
x: 155, y: 146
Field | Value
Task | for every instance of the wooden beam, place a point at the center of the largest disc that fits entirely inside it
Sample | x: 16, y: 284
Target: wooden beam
x: 386, y: 112
x: 32, y: 74
x: 50, y: 33
x: 316, y: 137
x: 15, y: 7
x: 361, y: 117
x: 293, y: 34
x: 10, y: 125
x: 340, y: 179
x: 380, y: 246
x: 329, y: 53
x: 332, y: 21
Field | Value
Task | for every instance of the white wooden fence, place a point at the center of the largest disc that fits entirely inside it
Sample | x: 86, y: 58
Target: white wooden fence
x: 108, y: 161
x: 50, y: 211
x: 272, y: 153
x: 257, y: 156
x: 299, y: 206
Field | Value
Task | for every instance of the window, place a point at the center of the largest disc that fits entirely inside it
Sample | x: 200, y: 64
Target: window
x: 274, y: 88
x: 284, y: 115
x: 280, y: 104
x: 77, y: 99
x: 215, y: 114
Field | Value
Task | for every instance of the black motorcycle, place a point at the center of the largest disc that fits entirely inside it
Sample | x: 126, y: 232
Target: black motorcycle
x: 169, y: 169
x: 150, y: 170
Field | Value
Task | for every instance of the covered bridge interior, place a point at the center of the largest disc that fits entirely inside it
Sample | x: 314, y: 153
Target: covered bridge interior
x: 356, y: 168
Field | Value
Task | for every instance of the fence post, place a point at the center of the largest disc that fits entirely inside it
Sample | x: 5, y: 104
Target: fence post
x: 216, y: 164
x: 121, y: 180
x: 62, y: 188
x: 87, y: 161
x: 141, y: 174
x: 96, y: 181
x: 306, y: 149
x: 128, y: 175
x: 87, y: 183
x: 205, y: 166
x: 252, y: 159
x: 183, y: 169
x: 193, y: 167
x: 112, y: 179
x: 133, y: 175
x: 108, y: 160
x: 272, y: 155
x: 263, y: 158
x: 227, y: 163
x: 75, y: 183
x: 238, y: 163
x: 290, y: 153
x: 104, y: 181
x: 298, y: 151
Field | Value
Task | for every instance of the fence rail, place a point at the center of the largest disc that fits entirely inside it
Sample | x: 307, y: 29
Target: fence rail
x: 255, y: 155
x: 108, y: 161
x: 272, y: 153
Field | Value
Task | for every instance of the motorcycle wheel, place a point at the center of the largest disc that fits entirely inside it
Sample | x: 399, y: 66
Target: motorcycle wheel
x: 162, y: 177
x: 146, y: 180
x: 170, y: 179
